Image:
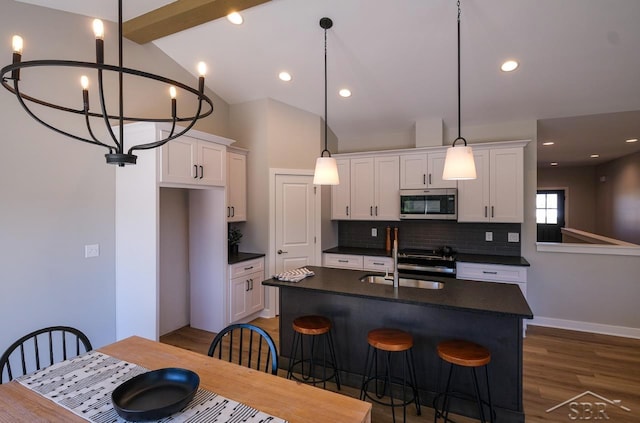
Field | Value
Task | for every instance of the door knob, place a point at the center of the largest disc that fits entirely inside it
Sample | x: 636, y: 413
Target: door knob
x: 282, y: 252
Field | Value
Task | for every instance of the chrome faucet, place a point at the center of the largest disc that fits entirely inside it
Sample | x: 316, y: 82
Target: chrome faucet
x: 396, y: 277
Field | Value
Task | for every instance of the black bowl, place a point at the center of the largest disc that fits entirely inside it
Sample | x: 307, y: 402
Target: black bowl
x: 155, y: 395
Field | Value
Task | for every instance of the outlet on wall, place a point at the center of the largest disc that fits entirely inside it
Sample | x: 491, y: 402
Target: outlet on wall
x: 513, y: 237
x: 92, y: 250
x: 488, y: 236
x: 374, y: 231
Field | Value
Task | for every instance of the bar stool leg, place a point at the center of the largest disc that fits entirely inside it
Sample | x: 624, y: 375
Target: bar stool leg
x: 367, y: 371
x: 491, y: 412
x: 294, y: 351
x: 414, y: 382
x: 332, y: 351
x: 478, y: 397
x: 388, y: 378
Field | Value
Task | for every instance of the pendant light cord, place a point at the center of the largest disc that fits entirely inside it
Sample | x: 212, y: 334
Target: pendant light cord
x: 326, y: 24
x: 459, y: 89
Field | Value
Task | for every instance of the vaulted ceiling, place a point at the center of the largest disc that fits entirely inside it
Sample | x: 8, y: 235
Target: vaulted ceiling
x: 398, y: 57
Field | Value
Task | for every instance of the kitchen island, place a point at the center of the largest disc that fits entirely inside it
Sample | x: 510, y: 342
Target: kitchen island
x: 487, y: 313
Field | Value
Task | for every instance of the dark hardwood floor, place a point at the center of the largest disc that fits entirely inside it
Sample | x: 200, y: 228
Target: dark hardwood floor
x: 558, y: 365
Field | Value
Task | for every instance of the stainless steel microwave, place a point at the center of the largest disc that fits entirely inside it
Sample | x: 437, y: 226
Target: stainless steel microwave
x: 439, y: 203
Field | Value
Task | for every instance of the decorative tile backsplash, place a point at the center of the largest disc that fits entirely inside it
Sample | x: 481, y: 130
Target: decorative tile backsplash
x: 429, y: 234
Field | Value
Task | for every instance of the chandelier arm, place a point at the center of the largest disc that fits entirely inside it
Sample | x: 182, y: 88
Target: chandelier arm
x: 105, y: 116
x: 162, y: 142
x: 53, y: 128
x: 105, y: 67
x: 95, y: 139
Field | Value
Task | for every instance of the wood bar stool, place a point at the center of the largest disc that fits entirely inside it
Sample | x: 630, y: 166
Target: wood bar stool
x: 459, y: 353
x: 390, y: 341
x: 313, y: 327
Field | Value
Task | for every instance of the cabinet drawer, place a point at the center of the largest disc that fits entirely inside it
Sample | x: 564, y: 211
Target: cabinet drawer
x: 343, y: 261
x: 246, y: 267
x: 378, y: 264
x: 491, y: 272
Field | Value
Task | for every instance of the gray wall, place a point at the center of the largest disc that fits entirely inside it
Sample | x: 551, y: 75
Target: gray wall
x: 58, y: 194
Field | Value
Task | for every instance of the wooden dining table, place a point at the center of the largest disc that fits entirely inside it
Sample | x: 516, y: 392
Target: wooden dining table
x: 277, y: 396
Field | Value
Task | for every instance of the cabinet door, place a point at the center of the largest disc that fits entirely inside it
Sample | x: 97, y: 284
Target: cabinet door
x: 255, y: 295
x: 435, y: 167
x: 387, y: 188
x: 507, y: 184
x: 413, y: 171
x: 341, y: 193
x: 473, y: 195
x: 236, y: 187
x: 343, y: 261
x: 362, y: 188
x: 212, y: 168
x: 178, y: 158
x: 238, y: 289
x: 378, y: 264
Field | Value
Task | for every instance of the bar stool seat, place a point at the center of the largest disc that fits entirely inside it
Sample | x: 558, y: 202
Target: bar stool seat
x: 468, y: 355
x: 313, y: 326
x: 390, y: 341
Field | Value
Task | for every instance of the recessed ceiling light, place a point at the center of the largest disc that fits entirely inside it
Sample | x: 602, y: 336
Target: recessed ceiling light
x: 632, y: 140
x: 554, y: 163
x: 594, y: 156
x: 509, y: 65
x: 345, y: 93
x: 284, y: 76
x: 548, y: 143
x: 235, y: 18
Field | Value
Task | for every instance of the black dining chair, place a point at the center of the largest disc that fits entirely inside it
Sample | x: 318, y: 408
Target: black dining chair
x: 246, y: 345
x: 42, y: 348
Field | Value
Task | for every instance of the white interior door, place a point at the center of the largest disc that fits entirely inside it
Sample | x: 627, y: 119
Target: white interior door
x: 295, y: 225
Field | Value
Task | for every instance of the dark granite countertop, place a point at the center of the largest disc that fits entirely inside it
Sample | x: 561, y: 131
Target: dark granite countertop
x: 497, y: 298
x: 492, y: 259
x: 240, y: 257
x: 377, y: 252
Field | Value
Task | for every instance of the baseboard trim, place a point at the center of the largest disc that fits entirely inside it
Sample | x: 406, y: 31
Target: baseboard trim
x: 623, y: 331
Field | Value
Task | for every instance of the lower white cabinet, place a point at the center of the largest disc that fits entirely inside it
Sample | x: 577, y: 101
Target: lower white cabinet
x: 494, y: 273
x: 245, y: 288
x: 357, y: 262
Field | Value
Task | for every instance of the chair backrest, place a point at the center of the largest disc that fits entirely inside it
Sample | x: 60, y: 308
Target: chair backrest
x: 246, y: 345
x: 42, y: 348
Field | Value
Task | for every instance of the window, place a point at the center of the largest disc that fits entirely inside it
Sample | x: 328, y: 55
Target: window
x: 547, y: 209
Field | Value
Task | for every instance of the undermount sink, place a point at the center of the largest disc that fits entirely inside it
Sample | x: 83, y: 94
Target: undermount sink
x: 405, y: 282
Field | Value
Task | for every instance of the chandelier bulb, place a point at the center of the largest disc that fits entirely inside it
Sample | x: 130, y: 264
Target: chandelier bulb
x: 84, y: 82
x: 202, y: 69
x: 98, y: 29
x: 17, y: 44
x: 172, y: 93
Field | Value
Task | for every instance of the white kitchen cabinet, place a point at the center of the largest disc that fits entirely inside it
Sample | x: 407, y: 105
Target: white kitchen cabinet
x: 245, y: 288
x: 138, y: 240
x: 494, y: 273
x: 358, y: 262
x: 341, y: 193
x: 423, y: 170
x: 236, y: 185
x: 375, y: 185
x: 497, y: 195
x: 189, y: 160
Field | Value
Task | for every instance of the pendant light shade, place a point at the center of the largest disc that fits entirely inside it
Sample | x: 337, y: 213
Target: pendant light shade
x: 326, y: 172
x: 459, y: 163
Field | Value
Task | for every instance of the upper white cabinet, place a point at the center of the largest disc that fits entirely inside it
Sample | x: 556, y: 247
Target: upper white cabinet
x: 341, y: 193
x: 423, y: 170
x: 236, y: 185
x: 189, y: 160
x: 375, y: 185
x: 497, y: 195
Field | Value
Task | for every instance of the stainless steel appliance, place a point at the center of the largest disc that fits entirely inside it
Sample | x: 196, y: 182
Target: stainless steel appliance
x: 440, y: 203
x: 439, y: 262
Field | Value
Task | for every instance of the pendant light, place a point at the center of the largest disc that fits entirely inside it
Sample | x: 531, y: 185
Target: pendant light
x: 326, y: 172
x: 114, y: 144
x: 459, y: 163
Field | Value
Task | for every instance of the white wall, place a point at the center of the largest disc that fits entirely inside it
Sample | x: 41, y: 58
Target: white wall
x: 57, y: 195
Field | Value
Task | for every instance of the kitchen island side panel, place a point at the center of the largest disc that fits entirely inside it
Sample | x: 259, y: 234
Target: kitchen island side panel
x: 353, y: 317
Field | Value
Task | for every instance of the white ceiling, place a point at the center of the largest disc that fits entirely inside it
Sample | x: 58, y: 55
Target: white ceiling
x: 577, y: 57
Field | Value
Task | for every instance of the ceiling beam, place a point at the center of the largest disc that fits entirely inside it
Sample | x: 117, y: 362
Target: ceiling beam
x: 180, y: 15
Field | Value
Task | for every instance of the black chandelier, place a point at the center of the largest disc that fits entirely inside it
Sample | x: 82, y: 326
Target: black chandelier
x: 115, y: 145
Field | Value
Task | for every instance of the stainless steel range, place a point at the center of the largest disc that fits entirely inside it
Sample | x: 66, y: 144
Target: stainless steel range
x: 440, y: 262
